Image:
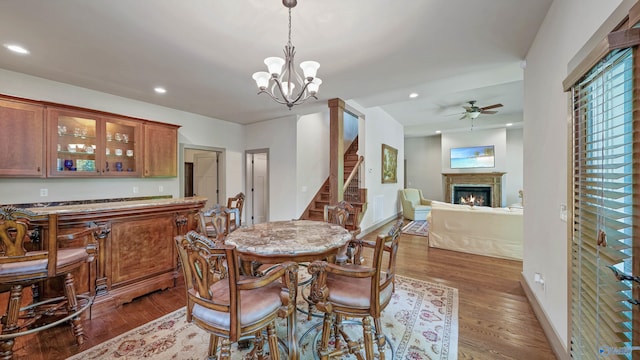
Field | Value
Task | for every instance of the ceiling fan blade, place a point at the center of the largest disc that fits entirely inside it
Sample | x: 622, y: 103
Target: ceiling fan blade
x: 491, y: 107
x: 464, y: 116
x: 488, y: 112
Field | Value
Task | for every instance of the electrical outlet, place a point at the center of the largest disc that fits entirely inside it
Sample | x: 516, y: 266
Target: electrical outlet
x: 44, y: 192
x: 160, y: 188
x: 563, y: 212
x: 136, y: 189
x: 538, y: 279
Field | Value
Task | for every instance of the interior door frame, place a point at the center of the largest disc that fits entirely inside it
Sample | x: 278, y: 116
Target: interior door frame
x: 249, y: 212
x: 221, y: 166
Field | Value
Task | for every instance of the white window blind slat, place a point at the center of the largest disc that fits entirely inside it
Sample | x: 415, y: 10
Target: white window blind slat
x: 603, y: 169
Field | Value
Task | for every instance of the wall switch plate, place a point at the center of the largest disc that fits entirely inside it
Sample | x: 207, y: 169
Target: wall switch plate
x: 160, y: 188
x: 44, y: 192
x: 136, y: 189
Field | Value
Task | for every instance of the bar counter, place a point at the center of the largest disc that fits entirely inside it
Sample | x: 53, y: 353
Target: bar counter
x: 136, y: 254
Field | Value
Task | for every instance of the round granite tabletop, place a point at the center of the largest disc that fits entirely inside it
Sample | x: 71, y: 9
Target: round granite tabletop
x: 294, y: 237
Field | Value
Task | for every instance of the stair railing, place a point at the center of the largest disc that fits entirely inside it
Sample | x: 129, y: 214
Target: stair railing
x: 351, y: 192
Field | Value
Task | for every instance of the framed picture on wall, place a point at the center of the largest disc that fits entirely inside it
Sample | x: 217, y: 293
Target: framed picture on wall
x: 389, y: 164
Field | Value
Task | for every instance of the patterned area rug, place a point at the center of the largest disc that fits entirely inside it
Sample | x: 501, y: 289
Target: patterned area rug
x: 417, y: 227
x: 420, y: 322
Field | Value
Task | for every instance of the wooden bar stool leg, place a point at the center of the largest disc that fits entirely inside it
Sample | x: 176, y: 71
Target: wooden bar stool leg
x: 274, y: 352
x: 10, y: 321
x: 6, y: 349
x: 72, y: 306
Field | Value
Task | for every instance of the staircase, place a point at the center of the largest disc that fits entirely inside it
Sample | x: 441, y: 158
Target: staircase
x: 353, y: 194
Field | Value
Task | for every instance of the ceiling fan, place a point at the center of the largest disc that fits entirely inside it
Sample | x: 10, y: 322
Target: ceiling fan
x: 472, y: 111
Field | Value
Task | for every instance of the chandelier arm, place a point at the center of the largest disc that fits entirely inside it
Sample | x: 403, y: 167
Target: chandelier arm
x: 284, y: 98
x: 273, y: 97
x: 302, y: 92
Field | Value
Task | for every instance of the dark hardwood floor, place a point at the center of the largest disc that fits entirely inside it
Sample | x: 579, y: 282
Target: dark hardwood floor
x: 495, y: 318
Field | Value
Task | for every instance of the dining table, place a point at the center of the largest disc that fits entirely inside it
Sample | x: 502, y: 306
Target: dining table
x: 290, y: 240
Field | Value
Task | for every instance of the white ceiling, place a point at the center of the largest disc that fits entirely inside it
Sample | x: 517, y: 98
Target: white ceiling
x: 374, y: 52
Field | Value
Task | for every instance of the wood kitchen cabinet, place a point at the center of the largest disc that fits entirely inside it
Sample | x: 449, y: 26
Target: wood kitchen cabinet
x: 43, y: 139
x: 160, y: 150
x: 22, y: 139
x: 86, y: 144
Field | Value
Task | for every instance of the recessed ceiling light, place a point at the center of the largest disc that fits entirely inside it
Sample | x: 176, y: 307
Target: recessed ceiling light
x: 413, y: 95
x: 438, y: 132
x: 160, y: 90
x: 508, y: 124
x: 17, y: 49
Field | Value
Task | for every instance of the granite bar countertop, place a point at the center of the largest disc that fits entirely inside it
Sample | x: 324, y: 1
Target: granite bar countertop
x: 116, y: 205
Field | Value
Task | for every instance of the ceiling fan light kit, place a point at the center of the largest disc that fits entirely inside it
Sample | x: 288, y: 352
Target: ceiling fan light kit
x: 472, y: 111
x: 279, y: 84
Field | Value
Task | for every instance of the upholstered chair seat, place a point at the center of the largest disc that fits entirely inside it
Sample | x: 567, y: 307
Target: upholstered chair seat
x: 256, y: 304
x: 37, y: 268
x: 354, y: 292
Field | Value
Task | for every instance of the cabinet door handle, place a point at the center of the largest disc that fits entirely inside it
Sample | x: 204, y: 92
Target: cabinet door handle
x: 38, y: 169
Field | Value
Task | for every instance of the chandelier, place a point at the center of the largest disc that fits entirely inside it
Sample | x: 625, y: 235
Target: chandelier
x: 278, y: 81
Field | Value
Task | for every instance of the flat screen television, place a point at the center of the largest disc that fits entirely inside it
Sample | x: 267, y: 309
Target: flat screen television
x: 473, y: 157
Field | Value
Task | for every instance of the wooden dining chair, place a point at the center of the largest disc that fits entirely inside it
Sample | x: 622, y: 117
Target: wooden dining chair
x: 347, y: 216
x: 215, y: 222
x: 228, y: 306
x: 20, y: 268
x: 354, y: 290
x: 236, y: 202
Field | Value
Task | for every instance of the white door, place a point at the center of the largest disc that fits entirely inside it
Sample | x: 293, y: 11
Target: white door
x: 257, y: 202
x: 205, y: 176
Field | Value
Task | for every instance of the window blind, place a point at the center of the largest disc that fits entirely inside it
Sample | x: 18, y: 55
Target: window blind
x: 602, y: 317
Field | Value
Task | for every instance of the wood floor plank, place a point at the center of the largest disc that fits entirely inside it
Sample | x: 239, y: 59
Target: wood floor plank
x: 496, y: 321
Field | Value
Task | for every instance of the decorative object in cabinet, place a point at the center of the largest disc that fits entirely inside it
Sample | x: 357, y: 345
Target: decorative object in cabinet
x: 22, y: 139
x: 122, y: 155
x: 88, y: 144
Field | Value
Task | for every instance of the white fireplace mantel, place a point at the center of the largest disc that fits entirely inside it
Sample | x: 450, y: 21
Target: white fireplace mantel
x: 493, y: 179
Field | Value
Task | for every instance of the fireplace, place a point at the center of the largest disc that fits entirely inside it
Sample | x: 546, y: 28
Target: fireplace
x: 478, y: 195
x: 492, y: 180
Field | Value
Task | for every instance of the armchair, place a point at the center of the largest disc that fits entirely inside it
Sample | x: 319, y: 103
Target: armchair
x: 354, y: 290
x: 228, y: 306
x: 414, y: 205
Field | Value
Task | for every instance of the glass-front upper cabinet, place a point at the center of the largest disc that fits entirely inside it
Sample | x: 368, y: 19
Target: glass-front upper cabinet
x: 122, y: 147
x: 86, y: 145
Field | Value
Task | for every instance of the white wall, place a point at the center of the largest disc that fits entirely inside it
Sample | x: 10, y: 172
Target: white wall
x: 280, y: 137
x: 424, y: 163
x: 313, y: 157
x: 495, y: 137
x: 380, y: 128
x: 196, y: 129
x: 566, y: 28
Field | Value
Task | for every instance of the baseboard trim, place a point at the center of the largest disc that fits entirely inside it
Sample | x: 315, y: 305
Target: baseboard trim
x: 554, y: 340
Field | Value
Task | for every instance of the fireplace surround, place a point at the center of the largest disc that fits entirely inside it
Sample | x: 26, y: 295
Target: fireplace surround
x: 492, y: 180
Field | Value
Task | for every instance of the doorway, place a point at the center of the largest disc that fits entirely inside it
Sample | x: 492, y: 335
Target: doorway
x: 257, y: 180
x: 202, y: 172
